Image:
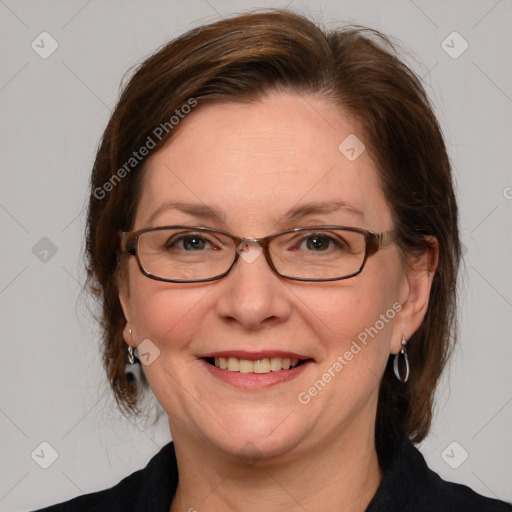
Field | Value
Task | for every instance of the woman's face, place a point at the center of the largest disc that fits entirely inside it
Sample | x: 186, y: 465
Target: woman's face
x: 254, y: 164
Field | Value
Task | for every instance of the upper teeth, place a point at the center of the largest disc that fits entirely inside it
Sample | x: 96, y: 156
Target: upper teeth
x: 266, y: 365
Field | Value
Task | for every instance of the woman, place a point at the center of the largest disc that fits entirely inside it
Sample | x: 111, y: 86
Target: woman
x: 273, y: 235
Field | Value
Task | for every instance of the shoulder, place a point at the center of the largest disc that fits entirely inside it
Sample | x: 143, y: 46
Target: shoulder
x: 409, y: 485
x: 453, y: 497
x: 151, y: 488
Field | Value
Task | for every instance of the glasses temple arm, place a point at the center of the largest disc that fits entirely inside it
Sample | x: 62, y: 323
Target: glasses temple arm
x: 386, y: 238
x: 126, y: 242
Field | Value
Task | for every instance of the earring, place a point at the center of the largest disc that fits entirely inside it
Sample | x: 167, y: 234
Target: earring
x: 131, y: 368
x: 402, y: 352
x: 131, y: 358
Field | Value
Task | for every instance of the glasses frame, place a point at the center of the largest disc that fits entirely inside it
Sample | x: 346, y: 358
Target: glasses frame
x: 129, y: 240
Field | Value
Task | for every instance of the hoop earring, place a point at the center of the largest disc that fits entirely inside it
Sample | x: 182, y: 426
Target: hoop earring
x: 402, y: 352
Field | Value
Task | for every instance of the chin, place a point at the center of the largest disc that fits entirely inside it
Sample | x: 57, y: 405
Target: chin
x: 253, y: 441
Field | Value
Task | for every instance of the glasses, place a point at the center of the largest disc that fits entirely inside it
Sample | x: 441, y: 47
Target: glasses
x: 191, y: 254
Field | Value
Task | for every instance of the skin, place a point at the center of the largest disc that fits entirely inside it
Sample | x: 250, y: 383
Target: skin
x: 261, y: 449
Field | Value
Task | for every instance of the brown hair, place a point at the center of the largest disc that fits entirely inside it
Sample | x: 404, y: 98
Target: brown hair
x: 241, y: 59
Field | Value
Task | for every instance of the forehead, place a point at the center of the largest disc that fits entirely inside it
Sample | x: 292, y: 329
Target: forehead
x: 254, y: 162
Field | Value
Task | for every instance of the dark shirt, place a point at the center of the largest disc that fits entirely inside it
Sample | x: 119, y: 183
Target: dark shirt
x: 408, y: 485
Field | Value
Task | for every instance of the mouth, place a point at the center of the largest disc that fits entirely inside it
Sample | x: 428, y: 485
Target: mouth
x: 255, y: 370
x: 262, y: 365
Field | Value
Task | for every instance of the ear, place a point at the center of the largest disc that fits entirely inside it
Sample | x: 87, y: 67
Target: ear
x: 415, y: 294
x: 124, y: 299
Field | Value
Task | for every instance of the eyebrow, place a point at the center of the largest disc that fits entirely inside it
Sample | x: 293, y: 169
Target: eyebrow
x: 324, y: 207
x: 200, y: 210
x: 207, y: 212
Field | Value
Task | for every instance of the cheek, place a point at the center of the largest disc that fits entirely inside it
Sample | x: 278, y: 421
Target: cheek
x: 171, y: 317
x: 162, y: 311
x: 167, y: 314
x: 351, y: 312
x: 353, y: 321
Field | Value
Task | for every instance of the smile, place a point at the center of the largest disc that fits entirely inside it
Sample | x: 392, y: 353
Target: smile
x: 250, y: 370
x: 265, y: 365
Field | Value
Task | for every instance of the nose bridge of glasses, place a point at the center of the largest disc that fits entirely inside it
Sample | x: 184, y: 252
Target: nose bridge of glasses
x: 249, y: 249
x: 251, y: 240
x: 262, y: 243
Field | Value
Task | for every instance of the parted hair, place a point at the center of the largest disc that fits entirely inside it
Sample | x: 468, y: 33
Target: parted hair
x: 241, y: 59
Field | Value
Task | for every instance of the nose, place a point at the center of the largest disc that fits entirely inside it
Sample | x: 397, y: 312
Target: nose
x: 252, y: 295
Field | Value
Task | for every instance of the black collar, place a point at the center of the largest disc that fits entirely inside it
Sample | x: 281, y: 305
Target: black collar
x: 408, y: 485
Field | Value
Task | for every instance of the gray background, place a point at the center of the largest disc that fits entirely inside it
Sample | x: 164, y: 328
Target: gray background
x: 53, y: 112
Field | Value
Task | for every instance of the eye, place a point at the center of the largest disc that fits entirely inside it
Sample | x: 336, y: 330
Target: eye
x: 189, y: 242
x: 318, y: 242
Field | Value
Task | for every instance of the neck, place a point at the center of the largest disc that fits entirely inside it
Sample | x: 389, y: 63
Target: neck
x: 337, y: 473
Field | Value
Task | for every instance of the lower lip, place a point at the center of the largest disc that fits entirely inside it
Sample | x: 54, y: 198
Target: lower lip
x: 255, y: 380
